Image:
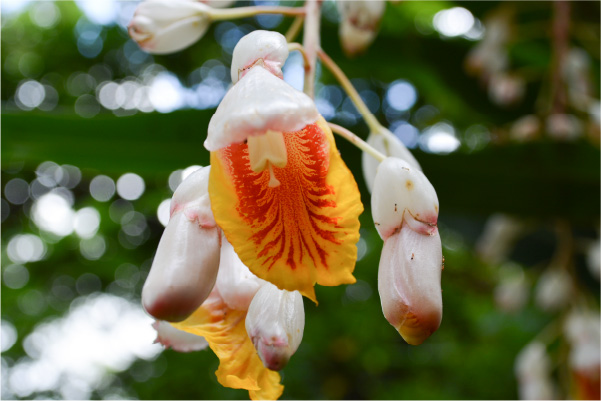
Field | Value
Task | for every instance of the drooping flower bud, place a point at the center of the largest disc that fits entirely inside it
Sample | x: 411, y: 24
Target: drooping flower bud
x: 166, y: 26
x: 511, y: 294
x: 401, y: 192
x: 409, y: 283
x: 185, y: 266
x: 532, y: 369
x: 267, y: 48
x: 359, y: 22
x: 258, y: 103
x: 235, y: 282
x: 405, y: 210
x: 275, y: 323
x: 554, y: 289
x: 388, y: 145
x: 178, y: 340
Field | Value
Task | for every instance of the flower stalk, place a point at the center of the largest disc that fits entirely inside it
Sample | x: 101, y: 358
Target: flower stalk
x: 358, y: 142
x: 311, y: 43
x: 243, y: 12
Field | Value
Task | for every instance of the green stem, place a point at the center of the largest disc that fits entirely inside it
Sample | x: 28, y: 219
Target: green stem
x: 371, y: 120
x: 219, y: 14
x: 358, y: 142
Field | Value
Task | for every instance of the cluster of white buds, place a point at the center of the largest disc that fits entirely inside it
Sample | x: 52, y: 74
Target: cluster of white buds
x: 193, y: 259
x: 533, y: 370
x: 405, y: 212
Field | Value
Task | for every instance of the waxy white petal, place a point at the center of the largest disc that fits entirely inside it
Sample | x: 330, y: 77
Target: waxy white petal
x: 258, y: 103
x: 178, y: 340
x: 401, y: 190
x: 388, y: 146
x: 183, y: 271
x: 235, y: 282
x: 166, y: 26
x: 275, y: 323
x: 409, y: 283
x: 268, y: 46
x: 185, y: 266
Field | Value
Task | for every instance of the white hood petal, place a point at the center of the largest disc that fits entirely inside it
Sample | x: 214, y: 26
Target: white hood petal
x: 271, y: 47
x: 275, y: 323
x: 400, y: 189
x: 259, y: 102
x: 409, y: 283
x: 192, y: 198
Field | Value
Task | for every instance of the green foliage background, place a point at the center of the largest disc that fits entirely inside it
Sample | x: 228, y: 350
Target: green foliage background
x: 349, y: 351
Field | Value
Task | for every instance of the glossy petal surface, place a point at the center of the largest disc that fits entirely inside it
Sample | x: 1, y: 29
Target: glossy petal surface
x: 301, y: 232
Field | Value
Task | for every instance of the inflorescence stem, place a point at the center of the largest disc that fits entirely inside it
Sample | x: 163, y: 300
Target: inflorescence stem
x: 358, y: 142
x: 243, y: 12
x: 311, y: 43
x: 371, y: 120
x: 295, y: 28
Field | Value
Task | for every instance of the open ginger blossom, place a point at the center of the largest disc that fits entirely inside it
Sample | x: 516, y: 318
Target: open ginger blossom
x: 279, y: 189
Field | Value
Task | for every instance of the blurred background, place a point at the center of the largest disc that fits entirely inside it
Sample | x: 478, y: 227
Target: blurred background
x: 499, y: 101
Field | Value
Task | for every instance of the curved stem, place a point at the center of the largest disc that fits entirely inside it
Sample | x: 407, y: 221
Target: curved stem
x: 218, y: 14
x: 311, y: 43
x: 297, y: 46
x: 358, y: 142
x: 294, y: 29
x: 371, y: 121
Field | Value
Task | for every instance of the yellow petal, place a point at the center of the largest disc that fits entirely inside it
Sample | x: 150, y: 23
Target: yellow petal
x: 239, y: 364
x: 300, y: 232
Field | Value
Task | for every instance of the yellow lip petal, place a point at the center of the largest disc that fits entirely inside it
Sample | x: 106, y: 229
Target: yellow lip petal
x: 300, y: 232
x: 239, y: 364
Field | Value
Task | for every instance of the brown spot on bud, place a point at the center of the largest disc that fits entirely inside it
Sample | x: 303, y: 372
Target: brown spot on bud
x: 409, y: 184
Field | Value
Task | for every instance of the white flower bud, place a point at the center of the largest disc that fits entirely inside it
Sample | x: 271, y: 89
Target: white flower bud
x: 275, y: 323
x: 566, y: 127
x: 235, y: 282
x: 258, y: 103
x: 511, y: 294
x: 178, y: 340
x: 403, y: 193
x: 505, y: 89
x: 269, y: 47
x: 554, y: 289
x: 593, y: 258
x: 532, y: 369
x: 582, y: 330
x: 409, y: 283
x: 388, y: 145
x: 359, y: 21
x: 499, y: 235
x: 166, y: 26
x: 185, y: 266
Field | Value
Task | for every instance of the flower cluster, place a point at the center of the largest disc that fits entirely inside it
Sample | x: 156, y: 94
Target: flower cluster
x: 275, y: 213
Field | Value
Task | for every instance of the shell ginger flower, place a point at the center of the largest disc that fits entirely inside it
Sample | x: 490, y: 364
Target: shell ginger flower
x: 279, y: 189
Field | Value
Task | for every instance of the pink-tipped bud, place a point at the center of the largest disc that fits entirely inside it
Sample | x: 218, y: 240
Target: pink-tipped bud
x: 275, y: 323
x: 178, y: 340
x: 359, y: 22
x: 166, y: 26
x: 409, y: 283
x: 235, y: 282
x: 267, y: 48
x: 187, y: 260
